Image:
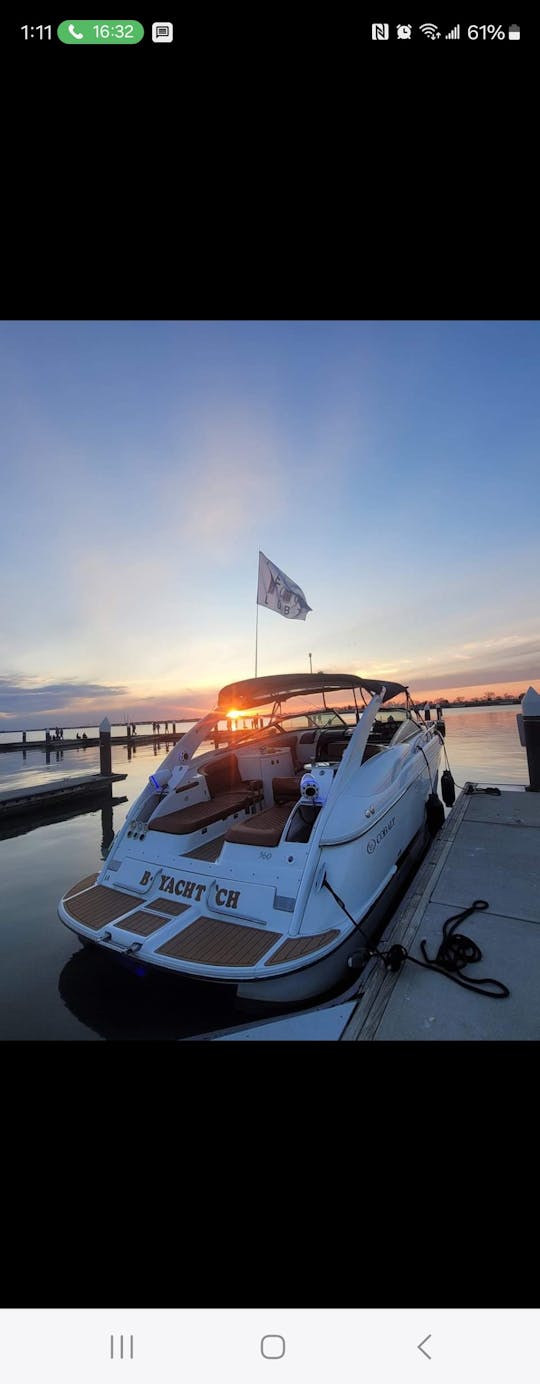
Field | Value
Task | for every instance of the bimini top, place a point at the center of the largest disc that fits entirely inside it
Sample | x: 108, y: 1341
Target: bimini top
x: 258, y: 691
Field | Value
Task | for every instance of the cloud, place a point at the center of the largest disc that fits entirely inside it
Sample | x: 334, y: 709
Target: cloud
x: 27, y: 703
x: 20, y: 695
x: 507, y: 658
x: 520, y: 672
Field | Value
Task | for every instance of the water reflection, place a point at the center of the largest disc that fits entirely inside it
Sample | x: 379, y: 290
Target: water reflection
x: 107, y: 829
x: 21, y: 826
x: 117, y: 998
x: 483, y: 745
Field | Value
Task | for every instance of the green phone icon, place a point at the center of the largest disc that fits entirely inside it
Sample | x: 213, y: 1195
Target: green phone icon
x: 101, y: 31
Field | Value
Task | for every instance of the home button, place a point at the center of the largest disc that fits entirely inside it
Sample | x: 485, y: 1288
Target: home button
x: 273, y: 1347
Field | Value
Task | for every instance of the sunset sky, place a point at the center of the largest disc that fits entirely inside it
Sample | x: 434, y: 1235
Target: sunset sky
x: 392, y: 469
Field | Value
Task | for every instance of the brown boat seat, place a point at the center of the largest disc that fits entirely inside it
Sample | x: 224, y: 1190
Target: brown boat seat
x: 199, y: 815
x: 263, y: 829
x: 286, y: 789
x: 223, y: 775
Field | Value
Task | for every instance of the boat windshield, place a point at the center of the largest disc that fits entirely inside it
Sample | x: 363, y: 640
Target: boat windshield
x: 273, y: 723
x: 304, y: 720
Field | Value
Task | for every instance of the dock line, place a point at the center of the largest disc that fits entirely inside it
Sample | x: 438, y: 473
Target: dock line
x: 455, y: 952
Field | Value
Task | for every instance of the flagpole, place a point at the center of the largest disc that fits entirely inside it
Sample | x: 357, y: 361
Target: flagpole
x: 256, y: 634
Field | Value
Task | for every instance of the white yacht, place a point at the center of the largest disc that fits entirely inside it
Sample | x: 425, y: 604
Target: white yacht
x: 268, y: 861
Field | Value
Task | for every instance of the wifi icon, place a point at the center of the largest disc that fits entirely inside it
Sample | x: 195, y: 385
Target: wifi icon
x: 430, y: 30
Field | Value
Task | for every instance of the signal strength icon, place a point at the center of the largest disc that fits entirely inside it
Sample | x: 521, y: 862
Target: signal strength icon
x: 454, y: 33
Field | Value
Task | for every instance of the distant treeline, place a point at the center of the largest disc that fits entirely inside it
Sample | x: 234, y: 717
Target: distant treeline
x: 511, y: 699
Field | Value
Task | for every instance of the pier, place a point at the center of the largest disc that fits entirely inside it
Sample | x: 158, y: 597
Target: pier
x: 46, y: 795
x: 153, y: 738
x: 489, y: 849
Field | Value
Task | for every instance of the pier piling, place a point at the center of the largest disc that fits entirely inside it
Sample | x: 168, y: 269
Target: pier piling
x: 530, y: 724
x: 105, y: 761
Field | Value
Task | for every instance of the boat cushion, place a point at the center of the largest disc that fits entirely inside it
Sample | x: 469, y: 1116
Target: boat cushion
x: 192, y: 818
x: 223, y: 776
x: 263, y: 829
x: 286, y: 789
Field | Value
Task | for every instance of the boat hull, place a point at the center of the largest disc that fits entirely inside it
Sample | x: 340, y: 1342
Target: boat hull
x: 319, y: 976
x: 314, y: 978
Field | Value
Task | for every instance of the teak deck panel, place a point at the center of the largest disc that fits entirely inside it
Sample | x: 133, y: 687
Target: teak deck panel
x: 169, y: 906
x: 144, y: 923
x: 83, y: 884
x: 211, y: 850
x: 295, y: 947
x: 214, y: 942
x: 263, y: 829
x: 100, y: 905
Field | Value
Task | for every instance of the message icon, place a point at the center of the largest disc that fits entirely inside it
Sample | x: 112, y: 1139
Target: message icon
x: 162, y: 33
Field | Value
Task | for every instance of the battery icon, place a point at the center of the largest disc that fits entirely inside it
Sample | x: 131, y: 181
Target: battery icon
x: 514, y: 31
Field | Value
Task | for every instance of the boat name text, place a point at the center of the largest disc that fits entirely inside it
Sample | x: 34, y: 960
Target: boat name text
x: 189, y: 889
x: 376, y: 840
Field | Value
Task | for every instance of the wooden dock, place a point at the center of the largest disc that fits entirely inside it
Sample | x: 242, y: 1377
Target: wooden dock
x: 165, y: 737
x: 46, y: 795
x: 489, y: 848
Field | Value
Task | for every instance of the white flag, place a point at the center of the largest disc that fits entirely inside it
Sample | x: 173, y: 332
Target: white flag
x: 278, y: 592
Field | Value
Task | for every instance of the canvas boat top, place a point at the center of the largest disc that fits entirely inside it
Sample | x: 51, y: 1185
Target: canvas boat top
x: 261, y: 691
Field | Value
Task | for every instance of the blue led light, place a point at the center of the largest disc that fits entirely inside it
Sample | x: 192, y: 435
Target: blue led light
x: 155, y: 782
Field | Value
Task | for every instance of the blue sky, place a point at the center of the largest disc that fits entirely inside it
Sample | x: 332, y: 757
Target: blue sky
x: 392, y: 469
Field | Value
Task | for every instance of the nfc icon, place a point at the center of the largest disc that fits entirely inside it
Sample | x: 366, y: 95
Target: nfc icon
x: 380, y: 30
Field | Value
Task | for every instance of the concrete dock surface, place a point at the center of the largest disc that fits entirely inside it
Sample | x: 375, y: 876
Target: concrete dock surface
x: 489, y: 848
x: 45, y: 795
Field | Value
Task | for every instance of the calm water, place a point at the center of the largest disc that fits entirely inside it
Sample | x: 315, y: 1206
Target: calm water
x: 50, y: 986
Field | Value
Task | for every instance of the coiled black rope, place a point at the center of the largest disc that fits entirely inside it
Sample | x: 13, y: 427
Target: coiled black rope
x: 455, y: 952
